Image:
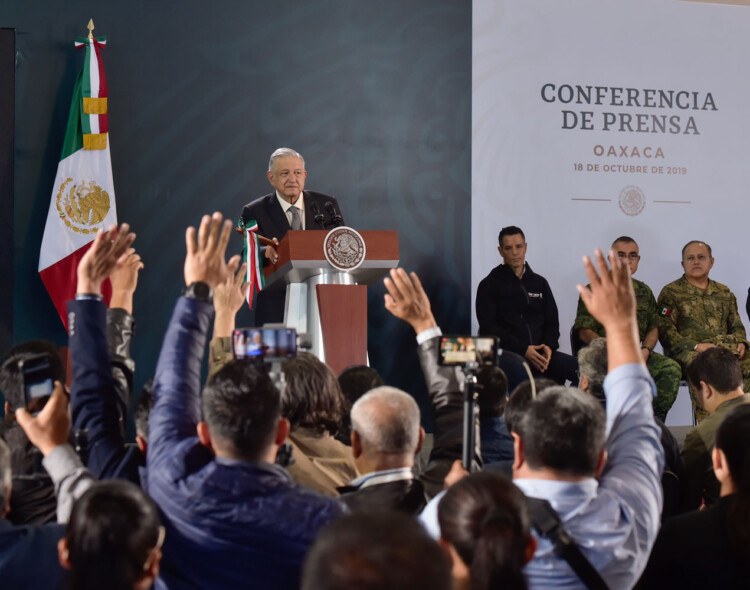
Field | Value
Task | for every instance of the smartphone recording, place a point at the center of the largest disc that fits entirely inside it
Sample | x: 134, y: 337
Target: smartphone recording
x: 269, y: 344
x: 38, y: 381
x: 459, y: 350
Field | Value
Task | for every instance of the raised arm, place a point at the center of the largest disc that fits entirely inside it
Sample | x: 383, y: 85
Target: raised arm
x: 632, y: 473
x: 407, y: 300
x: 97, y: 406
x: 229, y: 296
x: 176, y: 410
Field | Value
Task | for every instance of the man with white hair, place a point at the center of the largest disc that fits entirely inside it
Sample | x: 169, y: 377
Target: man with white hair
x: 290, y: 206
x: 386, y: 436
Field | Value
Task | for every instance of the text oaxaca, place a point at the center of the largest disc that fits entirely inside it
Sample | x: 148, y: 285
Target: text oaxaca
x: 650, y: 102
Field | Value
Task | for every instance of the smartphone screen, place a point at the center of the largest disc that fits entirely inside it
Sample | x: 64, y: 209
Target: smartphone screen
x: 37, y: 381
x: 459, y: 350
x: 271, y: 344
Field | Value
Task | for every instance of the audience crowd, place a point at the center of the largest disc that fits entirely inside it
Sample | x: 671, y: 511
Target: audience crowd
x: 291, y: 477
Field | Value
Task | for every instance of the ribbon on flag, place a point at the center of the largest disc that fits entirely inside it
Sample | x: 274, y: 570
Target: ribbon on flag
x: 252, y: 256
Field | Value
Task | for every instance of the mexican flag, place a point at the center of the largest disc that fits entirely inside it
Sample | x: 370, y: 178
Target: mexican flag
x: 83, y: 198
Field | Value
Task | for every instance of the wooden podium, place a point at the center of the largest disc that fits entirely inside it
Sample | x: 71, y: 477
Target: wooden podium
x: 329, y: 304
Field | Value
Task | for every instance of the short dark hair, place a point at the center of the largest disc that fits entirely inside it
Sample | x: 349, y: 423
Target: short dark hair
x: 312, y: 396
x: 113, y: 528
x: 143, y: 409
x: 733, y: 438
x: 242, y: 406
x: 716, y: 366
x: 376, y: 551
x: 511, y: 230
x: 691, y: 242
x: 11, y: 378
x: 624, y: 239
x: 563, y: 429
x: 520, y: 399
x: 492, y: 387
x: 484, y: 516
x: 355, y: 381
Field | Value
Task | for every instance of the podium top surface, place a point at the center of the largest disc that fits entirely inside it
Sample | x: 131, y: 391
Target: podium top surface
x: 301, y: 257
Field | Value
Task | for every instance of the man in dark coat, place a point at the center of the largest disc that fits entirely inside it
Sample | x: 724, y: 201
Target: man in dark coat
x: 516, y: 304
x: 288, y: 207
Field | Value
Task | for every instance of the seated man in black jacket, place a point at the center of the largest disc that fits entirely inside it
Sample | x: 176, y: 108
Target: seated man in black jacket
x: 516, y: 304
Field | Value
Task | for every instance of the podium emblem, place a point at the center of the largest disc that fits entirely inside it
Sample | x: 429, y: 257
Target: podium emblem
x: 344, y: 248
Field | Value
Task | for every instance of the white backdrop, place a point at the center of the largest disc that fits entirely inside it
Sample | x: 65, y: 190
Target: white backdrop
x: 527, y: 170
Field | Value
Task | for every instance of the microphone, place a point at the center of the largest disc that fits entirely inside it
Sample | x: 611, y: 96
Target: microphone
x: 319, y: 217
x: 336, y: 218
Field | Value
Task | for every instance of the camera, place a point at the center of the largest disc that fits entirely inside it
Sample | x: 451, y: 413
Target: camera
x: 459, y: 350
x: 38, y: 381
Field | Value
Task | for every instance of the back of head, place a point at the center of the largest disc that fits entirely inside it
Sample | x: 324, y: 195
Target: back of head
x: 376, y: 551
x: 484, y: 517
x: 113, y: 529
x: 387, y: 421
x: 11, y: 378
x: 241, y: 407
x: 312, y: 396
x: 563, y: 429
x: 733, y: 438
x: 143, y: 409
x: 357, y: 380
x: 718, y: 367
x: 520, y: 399
x: 492, y: 386
x: 592, y: 363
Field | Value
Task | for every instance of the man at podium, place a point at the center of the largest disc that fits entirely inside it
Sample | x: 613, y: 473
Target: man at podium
x: 290, y: 206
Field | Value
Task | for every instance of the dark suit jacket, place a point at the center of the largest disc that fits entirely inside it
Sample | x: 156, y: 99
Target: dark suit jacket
x: 94, y: 396
x: 273, y: 223
x: 694, y: 551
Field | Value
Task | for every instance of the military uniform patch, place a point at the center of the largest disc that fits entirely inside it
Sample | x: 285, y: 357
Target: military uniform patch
x: 665, y: 311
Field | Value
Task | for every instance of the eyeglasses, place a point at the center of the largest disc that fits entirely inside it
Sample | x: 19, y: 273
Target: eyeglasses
x: 630, y: 255
x: 152, y: 554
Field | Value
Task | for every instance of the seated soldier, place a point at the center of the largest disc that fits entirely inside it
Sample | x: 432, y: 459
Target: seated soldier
x: 698, y: 313
x: 665, y: 371
x: 716, y: 378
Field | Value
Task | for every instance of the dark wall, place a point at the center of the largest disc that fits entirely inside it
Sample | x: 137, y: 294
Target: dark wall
x: 376, y: 96
x: 7, y: 113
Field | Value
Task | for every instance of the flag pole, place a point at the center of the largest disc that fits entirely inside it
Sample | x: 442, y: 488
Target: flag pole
x: 90, y: 27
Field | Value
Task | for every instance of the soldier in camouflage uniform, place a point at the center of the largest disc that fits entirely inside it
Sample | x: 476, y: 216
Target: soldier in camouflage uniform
x: 697, y: 313
x: 665, y: 371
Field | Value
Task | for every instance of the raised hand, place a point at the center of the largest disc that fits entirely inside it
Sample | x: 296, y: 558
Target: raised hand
x: 108, y: 250
x: 124, y: 281
x: 407, y: 300
x: 228, y: 298
x: 611, y: 300
x: 205, y: 260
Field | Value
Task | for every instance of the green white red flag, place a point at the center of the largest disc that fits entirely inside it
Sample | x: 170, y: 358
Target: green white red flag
x: 83, y: 197
x: 253, y: 257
